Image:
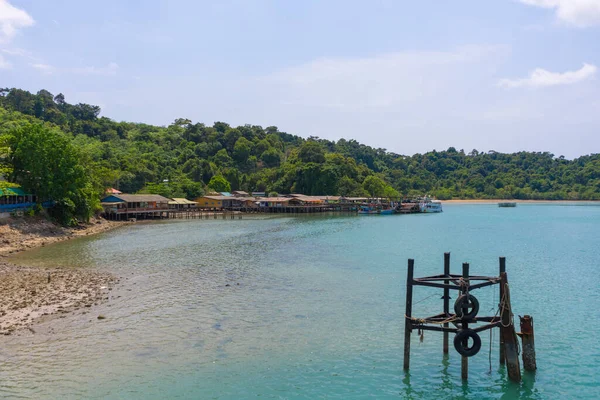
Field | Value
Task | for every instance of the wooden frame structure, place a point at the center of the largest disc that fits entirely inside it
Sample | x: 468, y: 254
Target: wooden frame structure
x: 464, y: 284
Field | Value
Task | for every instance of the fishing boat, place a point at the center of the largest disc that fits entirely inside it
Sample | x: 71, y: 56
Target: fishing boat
x: 428, y: 205
x: 371, y: 210
x: 507, y: 204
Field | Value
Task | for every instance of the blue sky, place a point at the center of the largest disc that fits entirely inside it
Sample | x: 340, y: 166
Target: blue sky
x: 408, y: 76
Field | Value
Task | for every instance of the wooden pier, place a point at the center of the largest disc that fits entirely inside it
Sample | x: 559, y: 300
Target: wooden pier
x: 142, y: 214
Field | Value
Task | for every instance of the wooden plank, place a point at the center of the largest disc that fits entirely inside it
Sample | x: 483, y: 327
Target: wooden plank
x: 446, y: 300
x: 502, y: 269
x: 509, y: 336
x: 464, y: 364
x: 437, y: 285
x: 527, y: 338
x: 408, y: 313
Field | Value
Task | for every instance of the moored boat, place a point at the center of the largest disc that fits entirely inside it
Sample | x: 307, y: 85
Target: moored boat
x: 428, y: 205
x: 507, y: 204
x: 371, y: 210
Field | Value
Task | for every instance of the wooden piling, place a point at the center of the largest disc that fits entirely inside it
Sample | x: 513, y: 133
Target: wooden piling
x: 464, y: 364
x: 528, y: 347
x: 446, y: 299
x: 501, y: 344
x: 509, y: 336
x: 408, y: 312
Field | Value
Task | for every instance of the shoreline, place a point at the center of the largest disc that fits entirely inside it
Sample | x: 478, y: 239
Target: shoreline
x: 31, y: 294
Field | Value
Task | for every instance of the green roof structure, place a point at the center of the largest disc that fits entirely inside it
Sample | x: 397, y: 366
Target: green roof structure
x: 13, y: 192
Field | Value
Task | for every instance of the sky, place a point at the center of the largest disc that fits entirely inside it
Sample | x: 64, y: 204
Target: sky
x: 407, y: 76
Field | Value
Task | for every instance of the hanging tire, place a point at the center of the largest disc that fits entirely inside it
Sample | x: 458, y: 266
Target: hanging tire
x: 461, y: 341
x: 462, y: 305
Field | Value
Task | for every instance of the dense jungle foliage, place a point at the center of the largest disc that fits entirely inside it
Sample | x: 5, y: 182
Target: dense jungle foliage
x: 86, y: 153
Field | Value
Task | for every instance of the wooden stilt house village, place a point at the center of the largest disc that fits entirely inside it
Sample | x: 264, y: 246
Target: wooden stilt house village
x: 136, y: 206
x: 128, y: 206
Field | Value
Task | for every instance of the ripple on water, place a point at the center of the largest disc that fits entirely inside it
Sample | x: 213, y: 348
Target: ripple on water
x: 312, y: 308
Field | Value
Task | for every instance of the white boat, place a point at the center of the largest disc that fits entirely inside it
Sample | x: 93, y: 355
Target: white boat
x: 427, y: 205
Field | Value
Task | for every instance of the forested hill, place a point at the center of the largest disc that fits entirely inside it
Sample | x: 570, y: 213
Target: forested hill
x: 182, y: 159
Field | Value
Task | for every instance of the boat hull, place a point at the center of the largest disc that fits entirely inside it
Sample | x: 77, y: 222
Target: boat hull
x: 376, y: 212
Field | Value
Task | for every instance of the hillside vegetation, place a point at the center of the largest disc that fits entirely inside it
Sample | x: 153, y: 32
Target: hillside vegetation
x: 68, y: 153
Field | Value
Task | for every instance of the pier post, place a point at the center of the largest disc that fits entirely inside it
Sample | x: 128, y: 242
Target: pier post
x: 464, y: 364
x: 446, y: 298
x: 501, y: 344
x: 509, y: 336
x: 528, y: 351
x: 408, y: 312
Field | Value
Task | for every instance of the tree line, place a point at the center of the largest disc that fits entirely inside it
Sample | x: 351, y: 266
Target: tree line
x: 186, y: 158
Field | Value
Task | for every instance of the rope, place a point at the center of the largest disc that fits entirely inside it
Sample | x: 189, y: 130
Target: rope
x: 503, y: 307
x: 435, y: 294
x: 422, y: 321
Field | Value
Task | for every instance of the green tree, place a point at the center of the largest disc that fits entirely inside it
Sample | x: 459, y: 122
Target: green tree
x: 219, y: 184
x: 311, y: 151
x: 375, y: 186
x: 45, y: 163
x: 271, y: 157
x: 242, y: 150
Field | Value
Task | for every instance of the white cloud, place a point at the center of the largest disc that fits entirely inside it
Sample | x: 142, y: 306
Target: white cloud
x: 407, y: 102
x: 384, y: 81
x: 540, y: 77
x: 109, y: 70
x: 581, y: 13
x: 45, y: 68
x: 4, y: 64
x: 12, y: 19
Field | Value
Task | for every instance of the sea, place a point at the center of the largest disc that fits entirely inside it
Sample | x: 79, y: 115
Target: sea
x: 312, y: 307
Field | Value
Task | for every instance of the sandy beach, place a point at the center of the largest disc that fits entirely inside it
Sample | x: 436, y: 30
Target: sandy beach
x: 29, y: 294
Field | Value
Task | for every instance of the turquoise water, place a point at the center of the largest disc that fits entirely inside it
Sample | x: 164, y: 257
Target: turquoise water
x: 312, y: 307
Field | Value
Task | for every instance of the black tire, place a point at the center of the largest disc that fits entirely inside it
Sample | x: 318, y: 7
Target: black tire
x: 461, y: 342
x: 464, y: 302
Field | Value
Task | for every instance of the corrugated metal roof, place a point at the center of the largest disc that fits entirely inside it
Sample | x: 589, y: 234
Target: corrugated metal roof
x: 179, y: 200
x: 15, y: 191
x: 140, y: 198
x: 275, y: 199
x: 218, y: 198
x: 308, y: 199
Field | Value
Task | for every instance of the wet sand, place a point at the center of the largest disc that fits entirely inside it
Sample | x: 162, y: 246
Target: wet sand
x: 30, y: 294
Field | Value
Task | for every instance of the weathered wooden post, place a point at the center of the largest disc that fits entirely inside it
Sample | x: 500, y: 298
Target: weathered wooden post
x: 502, y: 270
x: 528, y: 351
x: 408, y: 312
x: 464, y: 364
x: 507, y: 331
x: 446, y: 298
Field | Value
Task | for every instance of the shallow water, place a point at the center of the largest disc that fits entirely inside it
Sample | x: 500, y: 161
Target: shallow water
x: 312, y: 307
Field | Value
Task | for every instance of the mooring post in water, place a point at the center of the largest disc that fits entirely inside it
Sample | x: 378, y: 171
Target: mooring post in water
x: 446, y: 298
x: 464, y: 364
x: 408, y: 313
x: 502, y: 270
x: 509, y: 336
x: 528, y: 348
